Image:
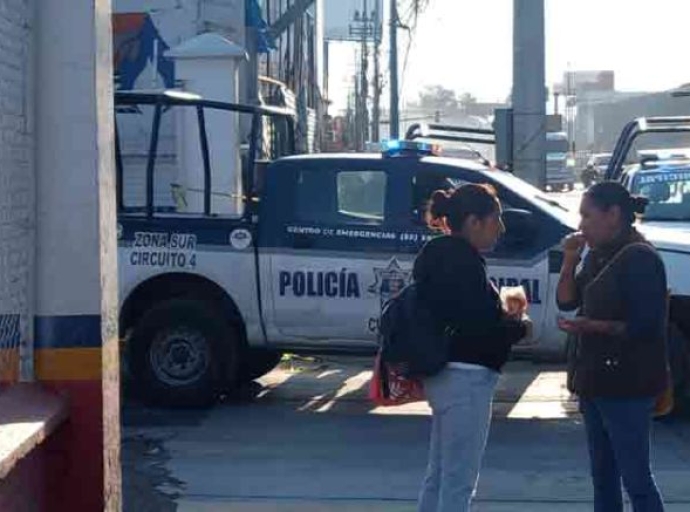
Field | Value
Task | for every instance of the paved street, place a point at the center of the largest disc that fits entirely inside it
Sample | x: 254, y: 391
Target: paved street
x: 307, y: 439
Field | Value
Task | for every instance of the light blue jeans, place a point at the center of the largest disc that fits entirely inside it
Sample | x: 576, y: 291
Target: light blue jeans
x: 460, y: 400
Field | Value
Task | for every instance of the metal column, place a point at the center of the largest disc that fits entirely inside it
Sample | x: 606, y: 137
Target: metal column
x: 529, y: 92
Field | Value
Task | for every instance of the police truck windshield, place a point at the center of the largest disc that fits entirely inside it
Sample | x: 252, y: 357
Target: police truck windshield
x: 668, y: 192
x: 534, y: 195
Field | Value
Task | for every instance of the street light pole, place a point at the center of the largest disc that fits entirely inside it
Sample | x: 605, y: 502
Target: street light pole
x: 393, y: 65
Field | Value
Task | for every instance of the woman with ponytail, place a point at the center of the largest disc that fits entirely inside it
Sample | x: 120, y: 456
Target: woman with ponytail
x: 450, y: 274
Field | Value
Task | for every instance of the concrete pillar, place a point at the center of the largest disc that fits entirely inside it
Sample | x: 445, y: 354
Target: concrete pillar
x: 208, y: 65
x: 529, y: 92
x: 76, y: 336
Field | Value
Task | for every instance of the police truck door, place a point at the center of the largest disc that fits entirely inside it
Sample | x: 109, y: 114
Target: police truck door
x: 329, y: 235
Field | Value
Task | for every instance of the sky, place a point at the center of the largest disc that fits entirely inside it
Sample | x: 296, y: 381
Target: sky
x: 466, y: 45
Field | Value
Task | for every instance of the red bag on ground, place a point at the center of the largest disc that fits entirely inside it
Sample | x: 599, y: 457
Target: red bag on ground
x: 389, y: 386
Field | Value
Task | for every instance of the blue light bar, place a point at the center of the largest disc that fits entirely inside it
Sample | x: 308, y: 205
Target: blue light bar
x: 397, y: 147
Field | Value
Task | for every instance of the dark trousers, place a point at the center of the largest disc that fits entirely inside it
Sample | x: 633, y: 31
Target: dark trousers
x: 618, y: 436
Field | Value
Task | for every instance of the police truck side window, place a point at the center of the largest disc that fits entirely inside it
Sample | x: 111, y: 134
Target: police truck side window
x: 341, y: 197
x: 362, y: 196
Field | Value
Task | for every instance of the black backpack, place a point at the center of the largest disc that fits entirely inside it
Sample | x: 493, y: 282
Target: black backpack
x: 410, y: 337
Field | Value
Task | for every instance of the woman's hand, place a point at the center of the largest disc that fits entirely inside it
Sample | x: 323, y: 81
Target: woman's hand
x: 514, y: 301
x: 573, y: 245
x: 515, y: 307
x: 578, y: 325
x: 582, y: 325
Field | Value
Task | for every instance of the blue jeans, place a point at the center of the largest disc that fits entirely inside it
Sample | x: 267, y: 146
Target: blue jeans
x: 618, y: 436
x: 460, y: 400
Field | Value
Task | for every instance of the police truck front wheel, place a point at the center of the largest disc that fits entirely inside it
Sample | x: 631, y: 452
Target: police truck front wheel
x: 182, y: 350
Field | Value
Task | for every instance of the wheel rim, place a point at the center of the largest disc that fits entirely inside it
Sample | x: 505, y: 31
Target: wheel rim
x: 179, y: 357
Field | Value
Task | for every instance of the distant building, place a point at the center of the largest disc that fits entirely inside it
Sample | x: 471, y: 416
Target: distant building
x: 143, y: 30
x: 596, y: 112
x: 291, y: 65
x: 601, y: 117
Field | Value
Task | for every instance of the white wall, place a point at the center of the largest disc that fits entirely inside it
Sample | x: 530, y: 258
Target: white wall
x: 76, y: 258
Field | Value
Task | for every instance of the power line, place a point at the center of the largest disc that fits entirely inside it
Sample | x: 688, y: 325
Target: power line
x: 411, y: 20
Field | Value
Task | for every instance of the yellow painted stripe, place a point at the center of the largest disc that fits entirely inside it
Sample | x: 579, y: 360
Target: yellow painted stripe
x: 65, y: 363
x: 68, y: 364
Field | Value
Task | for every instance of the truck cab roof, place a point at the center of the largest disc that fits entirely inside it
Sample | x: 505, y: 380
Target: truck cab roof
x: 472, y: 165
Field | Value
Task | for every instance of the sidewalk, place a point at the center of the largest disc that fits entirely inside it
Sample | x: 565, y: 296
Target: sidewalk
x: 310, y: 441
x: 381, y: 506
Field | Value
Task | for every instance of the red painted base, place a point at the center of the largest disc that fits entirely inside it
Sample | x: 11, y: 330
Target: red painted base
x: 73, y: 456
x: 20, y: 491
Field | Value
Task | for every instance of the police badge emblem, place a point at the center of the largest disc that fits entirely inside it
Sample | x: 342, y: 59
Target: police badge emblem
x: 389, y: 281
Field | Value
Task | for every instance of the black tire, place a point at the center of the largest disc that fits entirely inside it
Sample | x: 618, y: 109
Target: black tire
x: 181, y: 352
x: 257, y: 362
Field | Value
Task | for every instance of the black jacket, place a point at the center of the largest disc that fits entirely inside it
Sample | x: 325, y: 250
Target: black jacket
x: 452, y: 281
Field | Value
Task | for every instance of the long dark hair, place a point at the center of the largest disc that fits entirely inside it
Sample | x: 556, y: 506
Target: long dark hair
x: 458, y: 204
x: 607, y: 194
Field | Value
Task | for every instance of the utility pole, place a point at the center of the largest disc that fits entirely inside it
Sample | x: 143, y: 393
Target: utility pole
x: 393, y: 65
x: 362, y: 26
x: 358, y: 111
x: 376, y: 117
x: 570, y: 99
x: 529, y: 92
x: 365, y: 73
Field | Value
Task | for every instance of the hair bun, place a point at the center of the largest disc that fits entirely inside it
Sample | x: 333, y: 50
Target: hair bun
x: 638, y: 204
x: 440, y: 201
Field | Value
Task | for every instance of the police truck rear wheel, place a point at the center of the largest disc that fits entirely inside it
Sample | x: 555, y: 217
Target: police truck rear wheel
x: 181, y: 350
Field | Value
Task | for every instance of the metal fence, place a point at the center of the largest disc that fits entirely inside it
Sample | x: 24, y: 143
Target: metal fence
x: 16, y: 357
x: 10, y: 337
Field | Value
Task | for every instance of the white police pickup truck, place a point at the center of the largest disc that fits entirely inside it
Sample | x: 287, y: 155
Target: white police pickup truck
x: 319, y: 244
x: 663, y: 177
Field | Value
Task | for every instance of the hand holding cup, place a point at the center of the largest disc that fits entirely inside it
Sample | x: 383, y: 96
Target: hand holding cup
x: 514, y: 301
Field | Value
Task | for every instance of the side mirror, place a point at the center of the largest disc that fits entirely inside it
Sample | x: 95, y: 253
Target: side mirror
x: 521, y: 227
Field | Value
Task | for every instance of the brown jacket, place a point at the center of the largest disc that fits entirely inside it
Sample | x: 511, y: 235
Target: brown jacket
x: 625, y: 283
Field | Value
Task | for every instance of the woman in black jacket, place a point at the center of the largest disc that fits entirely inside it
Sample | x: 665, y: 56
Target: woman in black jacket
x: 452, y: 282
x: 620, y: 365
